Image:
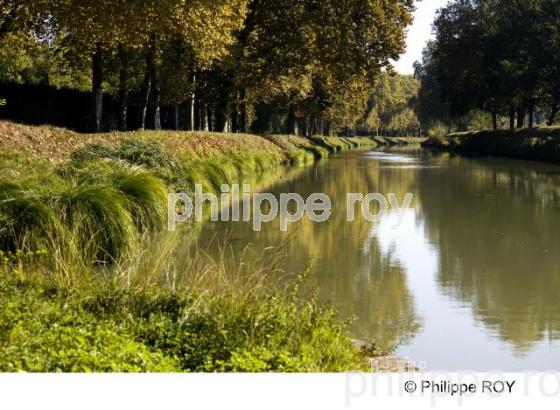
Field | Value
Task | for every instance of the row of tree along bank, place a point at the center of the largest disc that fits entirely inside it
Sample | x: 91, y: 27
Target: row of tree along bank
x: 540, y: 144
x: 497, y: 57
x: 299, y: 67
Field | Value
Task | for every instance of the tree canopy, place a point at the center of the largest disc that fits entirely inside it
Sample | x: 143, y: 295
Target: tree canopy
x: 497, y: 56
x: 307, y: 66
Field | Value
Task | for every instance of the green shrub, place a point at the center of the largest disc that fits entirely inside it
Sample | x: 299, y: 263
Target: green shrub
x: 97, y: 326
x: 40, y: 333
x: 134, y: 151
x: 150, y: 155
x: 254, y: 335
x: 438, y: 131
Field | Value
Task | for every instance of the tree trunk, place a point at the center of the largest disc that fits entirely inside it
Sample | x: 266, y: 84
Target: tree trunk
x: 155, y: 114
x: 176, y: 117
x: 531, y: 114
x: 220, y: 123
x: 123, y: 97
x: 192, y: 104
x: 292, y: 121
x: 205, y: 118
x: 520, y: 117
x: 234, y: 125
x: 242, y: 124
x: 147, y: 88
x: 553, y: 112
x: 511, y: 118
x: 321, y: 127
x: 96, y: 107
x: 198, y: 123
x: 327, y: 129
x: 494, y: 121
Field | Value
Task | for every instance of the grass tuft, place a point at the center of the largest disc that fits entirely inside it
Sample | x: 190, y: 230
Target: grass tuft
x: 98, y: 217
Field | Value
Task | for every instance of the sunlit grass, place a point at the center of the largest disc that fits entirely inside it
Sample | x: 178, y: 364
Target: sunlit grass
x: 90, y: 280
x: 162, y: 311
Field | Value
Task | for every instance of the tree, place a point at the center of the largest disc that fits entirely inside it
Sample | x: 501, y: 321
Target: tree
x: 322, y: 52
x: 391, y: 105
x: 499, y: 56
x: 310, y: 63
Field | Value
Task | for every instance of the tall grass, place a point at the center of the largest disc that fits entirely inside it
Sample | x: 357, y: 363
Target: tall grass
x: 103, y: 199
x: 28, y: 216
x: 146, y: 199
x: 160, y: 304
x: 99, y: 216
x: 159, y: 311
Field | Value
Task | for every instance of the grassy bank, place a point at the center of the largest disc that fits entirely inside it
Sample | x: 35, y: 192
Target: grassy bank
x: 392, y: 141
x: 96, y: 194
x: 89, y: 282
x: 539, y: 144
x: 156, y: 313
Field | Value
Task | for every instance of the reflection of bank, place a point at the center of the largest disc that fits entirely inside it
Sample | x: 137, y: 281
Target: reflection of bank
x: 358, y: 285
x: 496, y: 224
x: 448, y: 339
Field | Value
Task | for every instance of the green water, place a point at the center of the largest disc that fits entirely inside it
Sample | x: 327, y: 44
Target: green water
x: 470, y: 278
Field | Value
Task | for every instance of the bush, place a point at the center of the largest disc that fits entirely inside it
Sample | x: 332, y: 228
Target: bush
x: 150, y: 155
x: 259, y: 334
x: 38, y: 333
x: 438, y: 131
x: 98, y: 327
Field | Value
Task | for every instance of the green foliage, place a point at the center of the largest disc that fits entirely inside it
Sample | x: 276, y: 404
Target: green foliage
x: 439, y: 130
x: 27, y: 215
x: 100, y: 201
x: 39, y: 333
x: 147, y: 196
x: 497, y: 56
x: 321, y: 73
x: 46, y: 328
x: 219, y: 51
x: 61, y: 313
x: 391, y: 105
x: 135, y: 151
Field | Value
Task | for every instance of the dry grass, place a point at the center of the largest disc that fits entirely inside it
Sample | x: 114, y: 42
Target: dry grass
x: 57, y: 144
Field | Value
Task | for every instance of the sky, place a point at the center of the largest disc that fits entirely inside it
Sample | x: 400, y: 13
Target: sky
x: 418, y: 34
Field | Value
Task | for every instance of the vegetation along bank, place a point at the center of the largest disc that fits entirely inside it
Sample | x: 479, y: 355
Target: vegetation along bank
x: 89, y: 281
x: 539, y: 144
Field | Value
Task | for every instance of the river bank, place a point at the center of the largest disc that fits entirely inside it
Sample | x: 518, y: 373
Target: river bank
x: 538, y: 144
x: 90, y: 282
x: 399, y: 141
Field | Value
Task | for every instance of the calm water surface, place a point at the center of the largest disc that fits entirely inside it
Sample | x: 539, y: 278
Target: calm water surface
x: 470, y: 279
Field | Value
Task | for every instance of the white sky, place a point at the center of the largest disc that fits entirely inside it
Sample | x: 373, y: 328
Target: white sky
x: 418, y: 34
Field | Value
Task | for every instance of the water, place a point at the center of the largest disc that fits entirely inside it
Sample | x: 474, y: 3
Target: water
x: 470, y: 280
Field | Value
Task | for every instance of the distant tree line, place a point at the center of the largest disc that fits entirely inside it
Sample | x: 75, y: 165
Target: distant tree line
x: 501, y: 57
x: 299, y: 66
x: 391, y: 107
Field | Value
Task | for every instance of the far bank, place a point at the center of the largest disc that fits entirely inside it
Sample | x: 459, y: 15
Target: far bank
x: 537, y: 144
